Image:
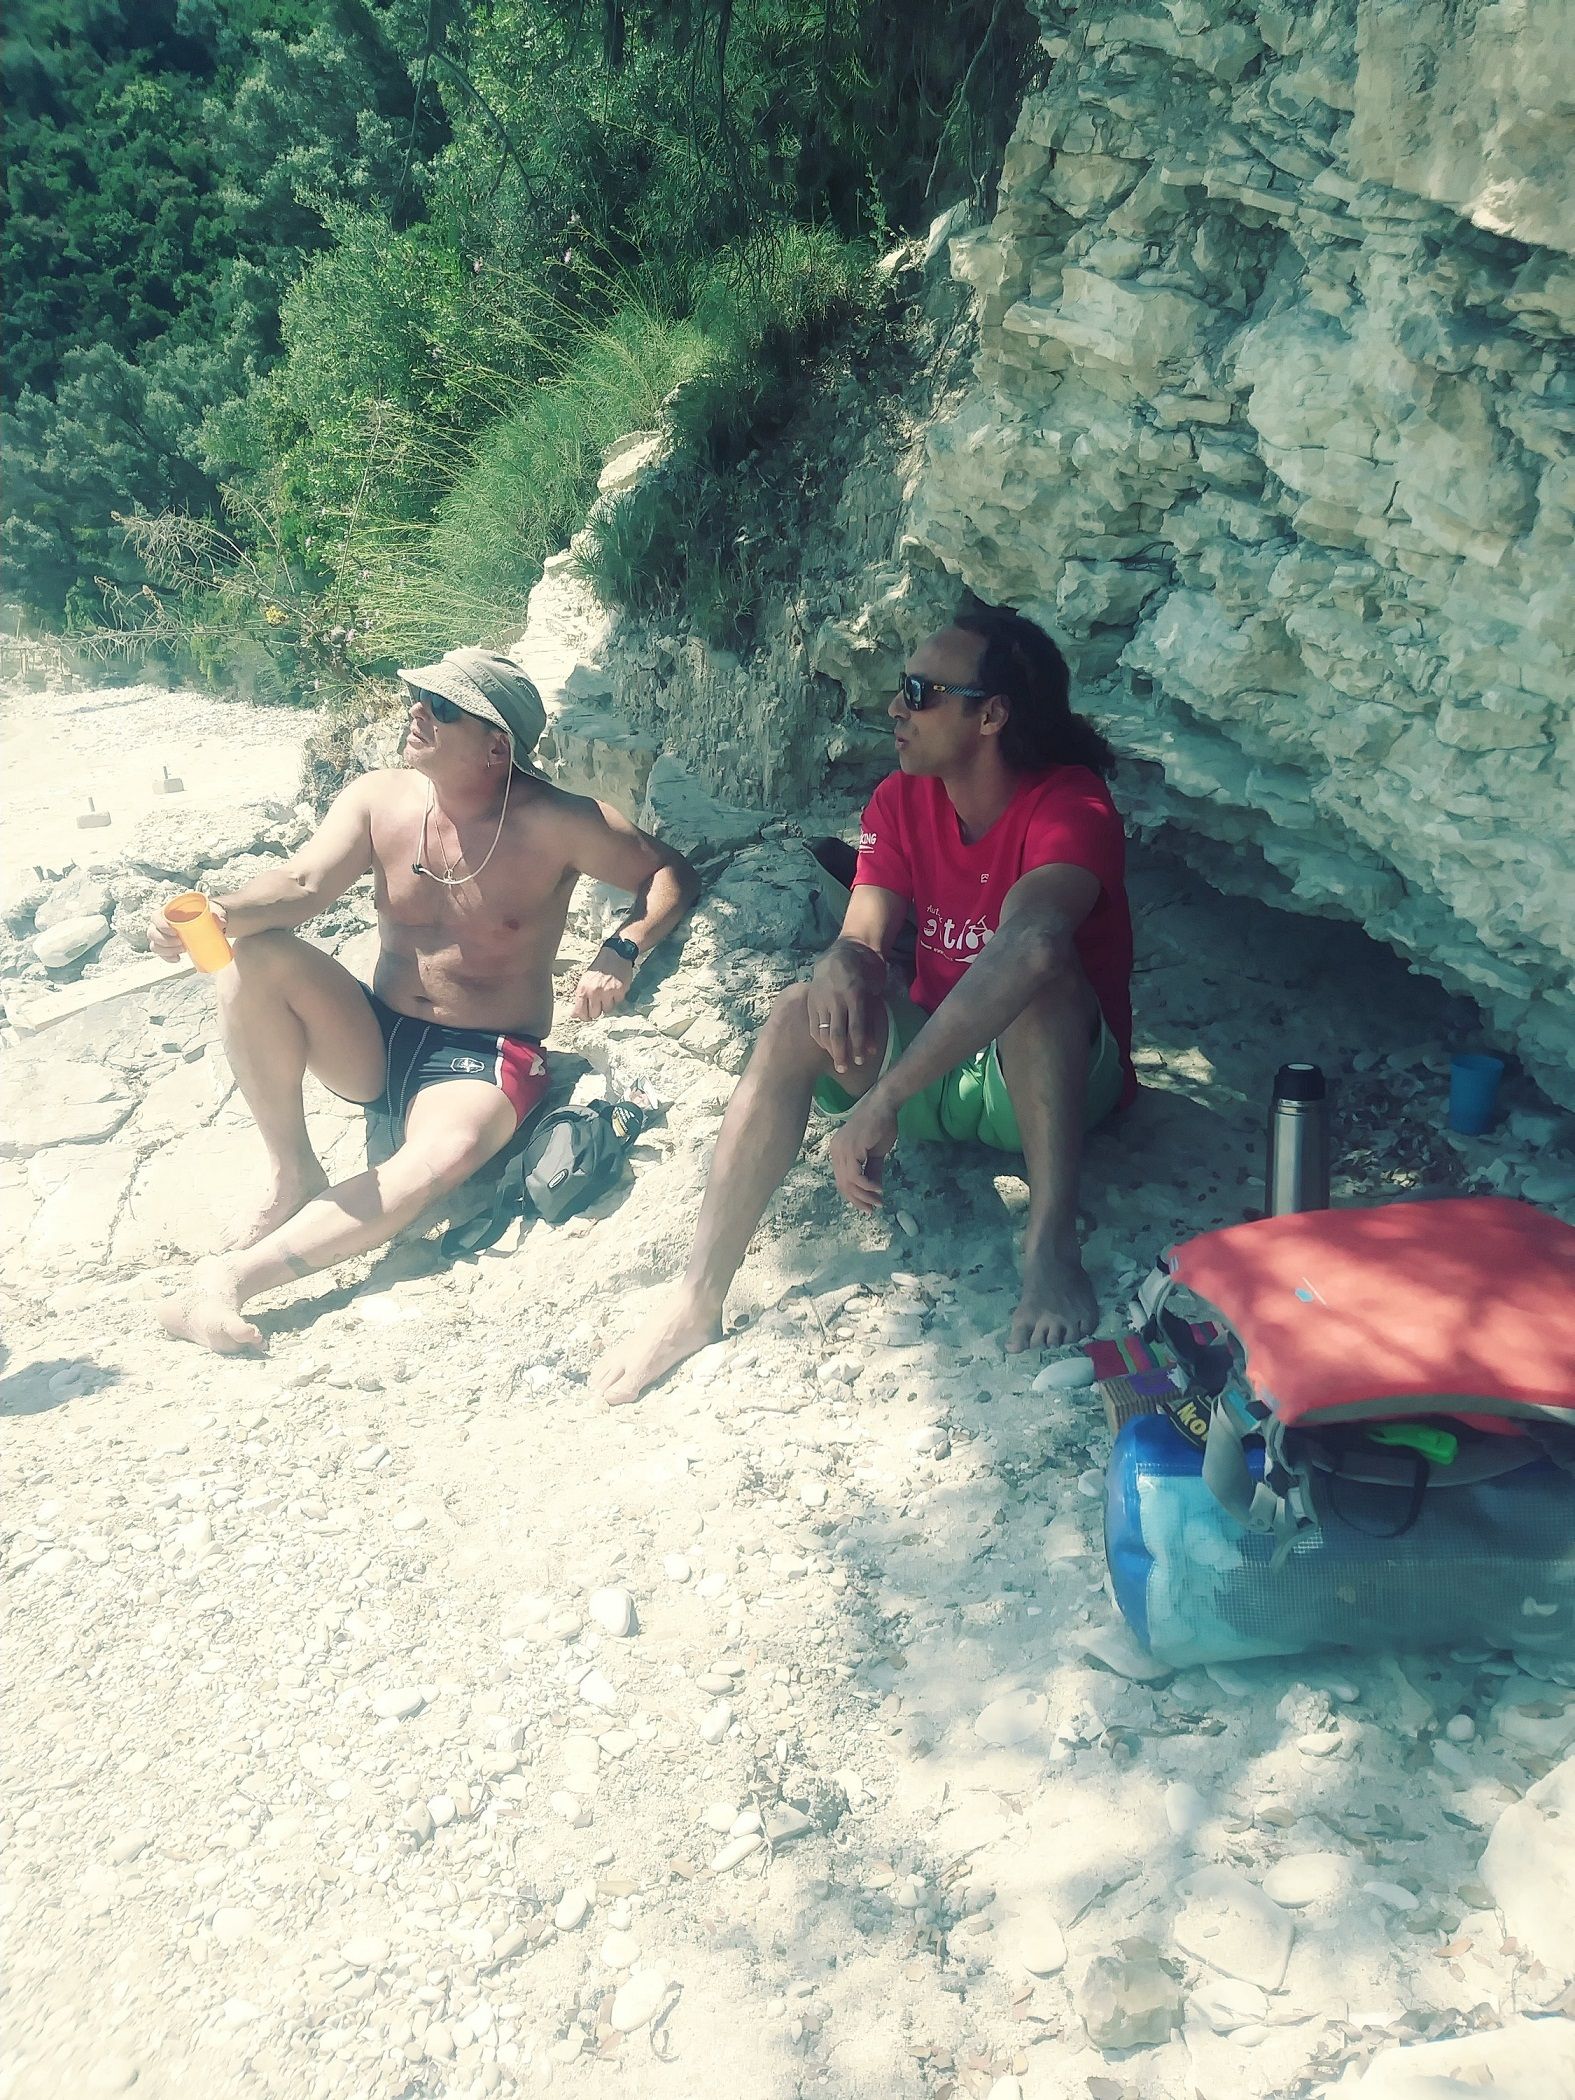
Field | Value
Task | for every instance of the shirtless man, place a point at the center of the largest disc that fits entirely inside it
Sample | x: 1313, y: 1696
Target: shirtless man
x: 999, y: 834
x: 474, y: 858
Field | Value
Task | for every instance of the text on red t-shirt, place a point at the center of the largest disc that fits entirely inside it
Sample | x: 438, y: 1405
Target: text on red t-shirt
x: 911, y: 842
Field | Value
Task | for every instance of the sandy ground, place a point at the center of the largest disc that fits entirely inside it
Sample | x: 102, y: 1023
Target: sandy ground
x: 386, y: 1719
x: 113, y: 747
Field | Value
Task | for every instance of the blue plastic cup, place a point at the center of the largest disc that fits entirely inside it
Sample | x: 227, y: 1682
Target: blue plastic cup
x: 1473, y: 1093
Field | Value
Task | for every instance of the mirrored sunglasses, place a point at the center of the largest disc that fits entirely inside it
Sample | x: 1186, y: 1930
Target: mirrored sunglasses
x: 919, y: 693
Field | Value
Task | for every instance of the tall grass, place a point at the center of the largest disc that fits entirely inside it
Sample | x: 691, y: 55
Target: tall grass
x: 720, y: 377
x: 680, y: 540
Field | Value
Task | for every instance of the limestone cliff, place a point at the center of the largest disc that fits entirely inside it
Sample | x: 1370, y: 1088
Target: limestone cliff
x: 1272, y: 425
x: 1269, y: 420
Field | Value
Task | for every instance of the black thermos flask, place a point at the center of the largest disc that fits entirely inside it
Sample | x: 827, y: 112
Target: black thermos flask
x: 1297, y: 1173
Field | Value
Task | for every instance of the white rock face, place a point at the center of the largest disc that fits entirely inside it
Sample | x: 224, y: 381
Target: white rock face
x: 1266, y: 430
x: 1529, y: 1868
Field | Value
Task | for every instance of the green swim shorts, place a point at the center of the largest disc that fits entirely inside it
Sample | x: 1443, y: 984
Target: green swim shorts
x: 971, y: 1100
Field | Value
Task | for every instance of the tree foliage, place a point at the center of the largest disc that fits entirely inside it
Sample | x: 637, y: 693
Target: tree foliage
x: 345, y: 260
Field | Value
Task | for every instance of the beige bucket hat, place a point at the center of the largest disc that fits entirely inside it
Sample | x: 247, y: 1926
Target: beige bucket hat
x: 493, y: 687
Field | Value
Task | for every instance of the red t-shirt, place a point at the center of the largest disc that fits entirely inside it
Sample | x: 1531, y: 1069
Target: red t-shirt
x: 911, y: 842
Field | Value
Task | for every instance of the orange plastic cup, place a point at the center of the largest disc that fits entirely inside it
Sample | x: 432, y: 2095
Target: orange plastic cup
x: 201, y: 936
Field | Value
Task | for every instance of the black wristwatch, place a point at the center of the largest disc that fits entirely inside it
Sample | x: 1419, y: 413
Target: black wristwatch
x: 622, y: 947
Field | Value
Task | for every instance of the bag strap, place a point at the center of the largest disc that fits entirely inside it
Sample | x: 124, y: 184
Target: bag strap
x: 509, y: 1200
x: 1209, y: 1365
x: 475, y: 1235
x: 1278, y: 1505
x: 1421, y: 1472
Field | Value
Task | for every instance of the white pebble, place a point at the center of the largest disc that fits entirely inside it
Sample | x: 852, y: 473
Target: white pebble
x: 1041, y: 1945
x: 1091, y: 1483
x: 594, y: 1689
x: 784, y: 1822
x: 1012, y: 1718
x: 1390, y: 1894
x: 1307, y: 1877
x: 231, y: 1925
x: 1119, y: 1649
x: 676, y: 1568
x: 613, y: 1611
x: 736, y: 1849
x: 637, y: 2001
x: 1227, y: 2004
x: 908, y: 1222
x: 716, y: 1722
x: 620, y: 1950
x: 409, y: 1520
x: 1460, y: 1729
x: 441, y: 1809
x: 114, y: 2074
x: 398, y: 1705
x: 570, y: 1913
x: 719, y: 1816
x: 1065, y: 1375
x: 364, y: 1953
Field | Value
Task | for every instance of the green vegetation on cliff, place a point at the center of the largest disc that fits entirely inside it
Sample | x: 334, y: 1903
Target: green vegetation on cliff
x: 364, y: 290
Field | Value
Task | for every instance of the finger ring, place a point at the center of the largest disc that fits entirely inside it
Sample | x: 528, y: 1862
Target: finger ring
x: 822, y: 1024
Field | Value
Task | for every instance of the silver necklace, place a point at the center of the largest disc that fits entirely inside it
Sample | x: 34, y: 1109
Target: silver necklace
x: 451, y: 881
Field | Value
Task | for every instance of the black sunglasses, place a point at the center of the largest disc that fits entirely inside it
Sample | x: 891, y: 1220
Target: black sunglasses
x: 442, y: 710
x: 917, y: 692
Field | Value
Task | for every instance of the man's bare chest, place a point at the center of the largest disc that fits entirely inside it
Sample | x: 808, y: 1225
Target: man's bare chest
x: 436, y: 879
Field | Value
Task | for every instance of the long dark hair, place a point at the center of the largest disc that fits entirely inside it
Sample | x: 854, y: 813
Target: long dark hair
x: 1022, y: 663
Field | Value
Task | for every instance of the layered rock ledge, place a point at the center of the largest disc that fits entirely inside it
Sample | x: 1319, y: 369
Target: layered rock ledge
x: 1272, y: 425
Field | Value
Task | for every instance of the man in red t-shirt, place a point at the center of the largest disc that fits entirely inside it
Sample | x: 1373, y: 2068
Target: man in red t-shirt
x: 998, y: 835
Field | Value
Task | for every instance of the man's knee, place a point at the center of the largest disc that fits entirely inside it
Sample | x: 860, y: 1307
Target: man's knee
x: 790, y: 1006
x: 437, y: 1161
x: 260, y: 959
x: 1060, y: 1000
x: 787, y: 1031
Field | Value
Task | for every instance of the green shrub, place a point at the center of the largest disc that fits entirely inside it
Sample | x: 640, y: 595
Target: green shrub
x: 728, y: 371
x: 526, y: 486
x: 679, y: 540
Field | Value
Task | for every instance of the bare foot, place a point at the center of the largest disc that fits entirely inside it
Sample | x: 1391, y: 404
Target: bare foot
x: 208, y: 1313
x: 653, y: 1349
x: 290, y: 1193
x: 1057, y: 1303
